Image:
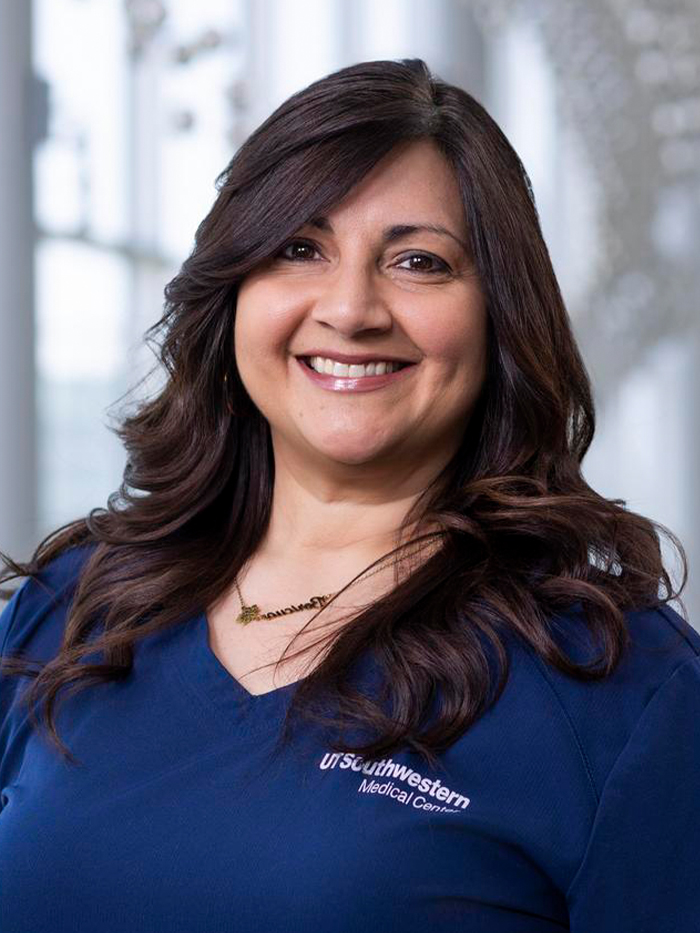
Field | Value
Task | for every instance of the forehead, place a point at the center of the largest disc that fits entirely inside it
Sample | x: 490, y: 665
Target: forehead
x: 412, y: 183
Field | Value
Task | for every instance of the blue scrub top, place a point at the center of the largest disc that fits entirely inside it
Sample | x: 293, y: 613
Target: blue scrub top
x: 568, y: 806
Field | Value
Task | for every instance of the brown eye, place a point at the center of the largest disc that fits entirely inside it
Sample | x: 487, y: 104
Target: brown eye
x: 296, y: 244
x: 427, y: 264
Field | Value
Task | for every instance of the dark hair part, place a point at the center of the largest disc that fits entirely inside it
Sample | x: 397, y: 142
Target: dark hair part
x: 522, y: 537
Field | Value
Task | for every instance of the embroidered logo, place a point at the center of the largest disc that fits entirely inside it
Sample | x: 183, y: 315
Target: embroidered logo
x: 425, y: 793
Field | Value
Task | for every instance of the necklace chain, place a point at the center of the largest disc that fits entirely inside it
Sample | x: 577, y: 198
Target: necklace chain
x: 252, y: 613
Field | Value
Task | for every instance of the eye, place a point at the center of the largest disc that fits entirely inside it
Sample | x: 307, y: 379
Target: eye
x: 304, y: 244
x: 442, y: 266
x: 427, y: 259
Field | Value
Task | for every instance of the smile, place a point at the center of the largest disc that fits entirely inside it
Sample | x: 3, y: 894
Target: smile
x: 354, y: 383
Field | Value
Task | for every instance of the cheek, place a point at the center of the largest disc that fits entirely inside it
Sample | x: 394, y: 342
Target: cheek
x: 249, y: 342
x: 261, y: 327
x: 458, y: 348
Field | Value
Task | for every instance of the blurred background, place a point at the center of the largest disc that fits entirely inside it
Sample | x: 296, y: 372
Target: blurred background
x: 117, y: 115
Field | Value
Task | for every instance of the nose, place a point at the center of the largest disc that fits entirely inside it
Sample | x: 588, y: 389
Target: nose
x: 349, y: 300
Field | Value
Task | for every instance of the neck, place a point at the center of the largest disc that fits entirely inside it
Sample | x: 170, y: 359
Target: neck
x: 310, y: 525
x: 328, y: 522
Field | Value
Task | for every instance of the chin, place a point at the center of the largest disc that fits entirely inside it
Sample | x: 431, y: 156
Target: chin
x: 351, y: 454
x: 343, y: 455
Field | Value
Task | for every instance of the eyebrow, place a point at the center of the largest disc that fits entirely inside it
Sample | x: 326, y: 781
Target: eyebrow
x: 396, y: 231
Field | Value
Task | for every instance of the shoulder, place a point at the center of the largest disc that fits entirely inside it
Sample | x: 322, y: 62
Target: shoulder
x: 602, y: 715
x: 32, y: 620
x: 659, y: 640
x: 647, y: 818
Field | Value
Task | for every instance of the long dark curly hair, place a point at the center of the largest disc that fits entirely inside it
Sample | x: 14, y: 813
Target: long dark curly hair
x: 522, y: 535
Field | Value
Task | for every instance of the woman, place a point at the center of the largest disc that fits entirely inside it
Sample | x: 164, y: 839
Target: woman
x: 364, y: 650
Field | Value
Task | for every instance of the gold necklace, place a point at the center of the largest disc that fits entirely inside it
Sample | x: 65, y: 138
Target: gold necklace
x: 252, y: 613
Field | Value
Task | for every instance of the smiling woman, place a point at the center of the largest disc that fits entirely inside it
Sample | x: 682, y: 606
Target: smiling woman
x: 359, y: 299
x: 373, y: 421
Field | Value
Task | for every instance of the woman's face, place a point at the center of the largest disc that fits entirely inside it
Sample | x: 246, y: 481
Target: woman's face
x: 345, y: 287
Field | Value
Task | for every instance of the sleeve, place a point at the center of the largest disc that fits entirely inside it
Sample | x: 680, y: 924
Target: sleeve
x: 8, y: 612
x: 641, y: 868
x: 8, y: 685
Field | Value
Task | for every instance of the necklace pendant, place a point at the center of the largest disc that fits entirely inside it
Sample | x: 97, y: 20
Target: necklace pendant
x: 248, y: 614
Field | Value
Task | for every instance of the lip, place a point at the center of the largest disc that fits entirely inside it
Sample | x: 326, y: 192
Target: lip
x: 352, y: 383
x: 354, y: 357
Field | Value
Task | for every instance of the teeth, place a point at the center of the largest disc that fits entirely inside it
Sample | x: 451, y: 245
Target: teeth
x: 331, y: 367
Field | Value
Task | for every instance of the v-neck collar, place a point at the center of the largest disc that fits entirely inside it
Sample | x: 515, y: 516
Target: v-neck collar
x: 203, y: 671
x: 255, y: 714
